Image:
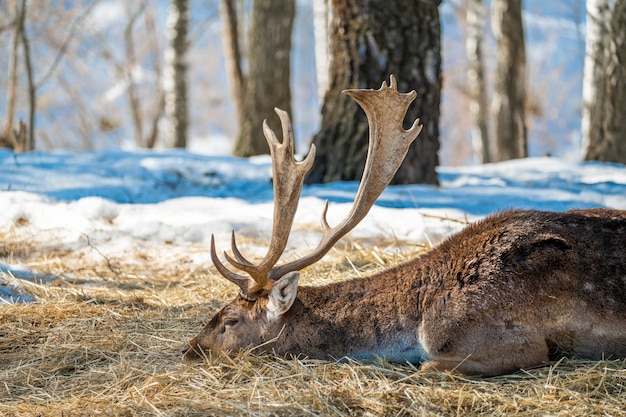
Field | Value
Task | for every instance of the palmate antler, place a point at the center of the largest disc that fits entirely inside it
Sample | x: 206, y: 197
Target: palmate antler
x: 388, y: 145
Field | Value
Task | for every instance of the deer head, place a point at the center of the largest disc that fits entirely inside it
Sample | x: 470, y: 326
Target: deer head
x: 267, y: 291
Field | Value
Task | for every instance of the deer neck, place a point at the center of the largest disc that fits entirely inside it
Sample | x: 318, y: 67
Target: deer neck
x: 362, y: 318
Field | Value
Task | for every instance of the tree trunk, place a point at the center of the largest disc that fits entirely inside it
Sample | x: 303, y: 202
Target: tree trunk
x: 370, y: 41
x: 598, y: 12
x: 478, y: 106
x: 603, y: 117
x: 8, y: 135
x: 28, y: 143
x: 267, y: 83
x: 510, y: 80
x: 175, y: 74
x: 232, y: 50
x: 615, y: 90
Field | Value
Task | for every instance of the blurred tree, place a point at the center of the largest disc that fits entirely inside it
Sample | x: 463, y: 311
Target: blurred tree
x: 369, y: 41
x: 477, y: 89
x: 598, y: 13
x: 22, y: 138
x: 604, y: 86
x: 97, y: 71
x: 322, y: 16
x: 232, y: 50
x: 175, y: 74
x: 158, y: 107
x: 131, y: 63
x: 7, y: 138
x: 137, y: 37
x: 267, y: 83
x: 510, y: 80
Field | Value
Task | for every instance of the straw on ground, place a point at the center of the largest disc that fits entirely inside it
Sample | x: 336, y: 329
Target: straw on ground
x: 104, y: 339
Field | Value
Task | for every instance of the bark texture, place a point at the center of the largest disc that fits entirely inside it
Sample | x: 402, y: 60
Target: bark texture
x: 369, y: 41
x: 606, y: 125
x: 510, y: 81
x: 267, y: 82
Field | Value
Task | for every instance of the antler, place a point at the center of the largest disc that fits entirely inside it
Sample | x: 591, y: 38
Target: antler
x: 388, y: 145
x: 288, y: 176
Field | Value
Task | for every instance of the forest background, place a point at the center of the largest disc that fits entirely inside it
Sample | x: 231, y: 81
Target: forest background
x: 98, y: 72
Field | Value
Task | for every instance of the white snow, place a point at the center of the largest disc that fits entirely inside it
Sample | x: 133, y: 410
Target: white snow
x: 122, y: 202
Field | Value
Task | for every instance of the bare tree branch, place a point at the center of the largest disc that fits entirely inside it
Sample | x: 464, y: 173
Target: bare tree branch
x: 63, y: 49
x: 151, y: 33
x: 129, y: 47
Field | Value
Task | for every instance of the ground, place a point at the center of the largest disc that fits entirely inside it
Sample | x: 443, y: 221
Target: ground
x: 105, y: 334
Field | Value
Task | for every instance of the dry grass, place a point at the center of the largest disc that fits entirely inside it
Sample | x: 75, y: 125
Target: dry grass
x: 104, y: 339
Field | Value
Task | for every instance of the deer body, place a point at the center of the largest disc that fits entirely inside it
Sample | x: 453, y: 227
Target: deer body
x: 499, y: 296
x: 504, y: 294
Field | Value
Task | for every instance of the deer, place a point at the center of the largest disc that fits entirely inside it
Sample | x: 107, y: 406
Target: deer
x: 515, y: 290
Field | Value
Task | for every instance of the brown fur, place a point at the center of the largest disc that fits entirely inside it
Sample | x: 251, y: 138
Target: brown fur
x: 503, y: 294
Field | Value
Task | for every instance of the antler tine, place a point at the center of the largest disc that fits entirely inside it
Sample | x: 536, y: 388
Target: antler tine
x: 240, y: 258
x: 240, y: 280
x: 388, y: 145
x: 288, y: 176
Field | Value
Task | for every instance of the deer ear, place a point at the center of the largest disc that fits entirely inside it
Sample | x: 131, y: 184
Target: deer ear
x: 283, y: 294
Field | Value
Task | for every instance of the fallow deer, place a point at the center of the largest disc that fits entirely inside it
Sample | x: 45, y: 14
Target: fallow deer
x: 504, y: 294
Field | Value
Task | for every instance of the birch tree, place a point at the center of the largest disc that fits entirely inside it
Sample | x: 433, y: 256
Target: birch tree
x: 598, y: 12
x: 175, y: 74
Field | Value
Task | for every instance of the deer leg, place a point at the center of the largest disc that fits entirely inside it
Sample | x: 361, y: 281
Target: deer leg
x: 488, y: 352
x: 488, y: 367
x: 465, y: 367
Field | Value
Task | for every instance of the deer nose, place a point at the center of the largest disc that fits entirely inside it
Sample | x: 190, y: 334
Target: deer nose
x: 190, y: 355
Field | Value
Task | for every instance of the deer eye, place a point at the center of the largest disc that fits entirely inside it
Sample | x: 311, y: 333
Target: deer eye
x: 231, y: 322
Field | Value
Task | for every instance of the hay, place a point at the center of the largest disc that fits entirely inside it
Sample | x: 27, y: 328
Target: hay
x: 104, y: 339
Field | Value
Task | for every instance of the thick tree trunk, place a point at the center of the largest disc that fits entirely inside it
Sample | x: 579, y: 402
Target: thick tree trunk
x: 369, y: 41
x: 267, y: 83
x: 476, y: 11
x: 606, y: 125
x: 510, y: 80
x: 615, y: 109
x: 175, y: 74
